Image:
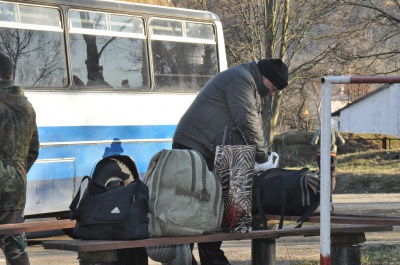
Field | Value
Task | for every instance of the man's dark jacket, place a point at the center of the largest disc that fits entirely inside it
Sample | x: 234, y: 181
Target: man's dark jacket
x: 232, y: 98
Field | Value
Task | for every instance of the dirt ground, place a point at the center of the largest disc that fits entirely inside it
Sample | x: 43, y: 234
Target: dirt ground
x: 367, y: 184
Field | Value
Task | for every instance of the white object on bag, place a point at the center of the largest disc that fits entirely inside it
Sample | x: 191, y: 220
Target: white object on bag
x: 272, y: 162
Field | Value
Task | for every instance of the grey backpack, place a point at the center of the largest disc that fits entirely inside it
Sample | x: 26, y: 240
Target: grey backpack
x: 185, y: 197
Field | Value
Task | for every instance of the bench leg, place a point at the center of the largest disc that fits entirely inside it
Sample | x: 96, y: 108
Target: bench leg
x: 106, y: 257
x: 345, y: 249
x: 263, y: 251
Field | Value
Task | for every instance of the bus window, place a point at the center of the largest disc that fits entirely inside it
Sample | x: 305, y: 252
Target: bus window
x: 199, y: 31
x: 88, y: 20
x: 42, y: 16
x: 184, y: 60
x: 126, y: 24
x: 108, y: 51
x: 167, y: 27
x: 7, y: 12
x: 34, y: 40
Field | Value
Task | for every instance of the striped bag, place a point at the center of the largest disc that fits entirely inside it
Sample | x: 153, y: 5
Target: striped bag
x: 234, y: 167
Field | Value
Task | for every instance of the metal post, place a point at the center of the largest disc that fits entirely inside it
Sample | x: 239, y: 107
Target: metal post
x: 327, y: 81
x: 384, y: 141
x: 263, y: 251
x: 325, y: 232
x: 346, y: 248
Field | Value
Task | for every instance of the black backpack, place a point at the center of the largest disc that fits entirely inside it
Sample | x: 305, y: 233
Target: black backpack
x: 109, y: 213
x: 286, y: 192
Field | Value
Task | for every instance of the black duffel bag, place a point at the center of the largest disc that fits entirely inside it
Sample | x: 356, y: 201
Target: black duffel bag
x: 118, y: 213
x: 286, y: 192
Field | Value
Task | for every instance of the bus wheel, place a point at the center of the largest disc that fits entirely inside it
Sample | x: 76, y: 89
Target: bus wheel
x: 112, y: 172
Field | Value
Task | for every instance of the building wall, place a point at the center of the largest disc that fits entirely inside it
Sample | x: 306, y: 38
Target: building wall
x: 378, y: 113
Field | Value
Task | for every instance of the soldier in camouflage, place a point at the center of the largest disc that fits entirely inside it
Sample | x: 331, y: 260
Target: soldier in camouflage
x: 19, y: 149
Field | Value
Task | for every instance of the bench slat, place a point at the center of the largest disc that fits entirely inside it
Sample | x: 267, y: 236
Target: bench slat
x: 343, y: 219
x: 335, y: 218
x: 6, y: 229
x: 100, y: 245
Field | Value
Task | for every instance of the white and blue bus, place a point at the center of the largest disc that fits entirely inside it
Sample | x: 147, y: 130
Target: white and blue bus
x: 109, y: 81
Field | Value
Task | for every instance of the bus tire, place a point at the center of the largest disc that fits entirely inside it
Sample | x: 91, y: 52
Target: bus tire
x: 112, y: 172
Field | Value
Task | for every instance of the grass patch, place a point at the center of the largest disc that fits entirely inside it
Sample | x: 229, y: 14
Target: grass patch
x: 384, y: 161
x: 370, y: 255
x: 380, y: 255
x: 295, y: 149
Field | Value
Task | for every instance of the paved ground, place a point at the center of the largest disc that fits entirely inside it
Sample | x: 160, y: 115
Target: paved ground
x: 239, y: 253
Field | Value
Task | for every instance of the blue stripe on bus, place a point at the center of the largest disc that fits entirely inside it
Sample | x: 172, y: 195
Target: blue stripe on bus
x: 99, y: 133
x: 69, y: 161
x: 64, y: 162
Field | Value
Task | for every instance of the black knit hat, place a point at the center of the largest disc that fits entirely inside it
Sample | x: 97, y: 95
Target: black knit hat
x: 275, y: 71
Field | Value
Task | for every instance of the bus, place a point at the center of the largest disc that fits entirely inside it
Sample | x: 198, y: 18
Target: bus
x: 109, y: 81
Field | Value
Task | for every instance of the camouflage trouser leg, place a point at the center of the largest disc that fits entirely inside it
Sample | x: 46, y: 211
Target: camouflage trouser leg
x: 333, y: 170
x: 13, y: 246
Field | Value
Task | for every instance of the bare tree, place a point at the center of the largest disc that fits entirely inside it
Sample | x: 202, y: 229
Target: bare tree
x: 40, y: 49
x: 370, y: 39
x: 314, y: 38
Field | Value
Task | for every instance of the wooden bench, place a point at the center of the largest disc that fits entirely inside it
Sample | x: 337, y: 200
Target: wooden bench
x: 345, y: 239
x: 347, y: 245
x: 37, y: 226
x: 105, y: 251
x: 47, y: 225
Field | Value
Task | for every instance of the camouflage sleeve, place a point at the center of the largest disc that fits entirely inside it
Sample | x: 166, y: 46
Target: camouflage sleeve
x: 33, y: 148
x: 315, y: 139
x: 340, y: 139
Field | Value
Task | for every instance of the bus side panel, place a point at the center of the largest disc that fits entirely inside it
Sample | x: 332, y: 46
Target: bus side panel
x: 143, y: 152
x: 50, y: 181
x: 140, y: 152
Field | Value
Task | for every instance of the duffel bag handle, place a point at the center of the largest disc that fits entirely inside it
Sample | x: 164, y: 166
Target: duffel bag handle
x: 75, y: 202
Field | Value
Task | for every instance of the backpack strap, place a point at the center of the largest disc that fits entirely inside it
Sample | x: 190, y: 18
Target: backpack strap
x: 203, y: 194
x: 309, y: 212
x: 284, y: 197
x: 283, y: 208
x: 74, y: 204
x: 260, y: 208
x: 162, y: 159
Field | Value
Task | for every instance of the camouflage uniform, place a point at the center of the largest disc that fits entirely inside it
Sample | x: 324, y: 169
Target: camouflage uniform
x: 336, y: 139
x: 19, y: 149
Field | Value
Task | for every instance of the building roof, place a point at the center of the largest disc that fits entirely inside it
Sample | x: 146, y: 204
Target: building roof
x: 337, y: 113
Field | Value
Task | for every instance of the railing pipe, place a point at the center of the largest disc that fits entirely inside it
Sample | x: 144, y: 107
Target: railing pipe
x: 325, y: 175
x: 327, y: 82
x: 360, y: 79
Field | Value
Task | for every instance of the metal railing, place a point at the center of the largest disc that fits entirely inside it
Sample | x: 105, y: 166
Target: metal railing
x: 327, y: 81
